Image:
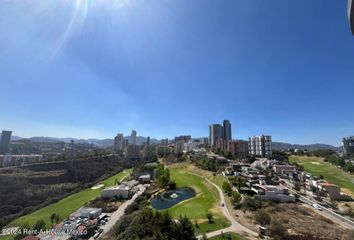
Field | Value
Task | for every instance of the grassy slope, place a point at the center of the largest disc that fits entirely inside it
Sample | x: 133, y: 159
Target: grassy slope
x: 207, y: 199
x: 67, y: 205
x: 331, y: 173
x: 234, y: 236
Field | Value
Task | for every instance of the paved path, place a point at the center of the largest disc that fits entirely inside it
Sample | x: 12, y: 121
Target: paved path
x: 120, y: 212
x: 235, y: 226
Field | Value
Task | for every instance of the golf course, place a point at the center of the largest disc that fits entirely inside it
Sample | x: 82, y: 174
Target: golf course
x: 206, y: 200
x: 331, y: 173
x: 67, y: 205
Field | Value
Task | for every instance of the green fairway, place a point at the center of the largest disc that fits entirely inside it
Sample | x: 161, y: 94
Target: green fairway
x: 206, y: 227
x: 207, y: 200
x: 234, y: 236
x: 67, y: 205
x: 330, y: 173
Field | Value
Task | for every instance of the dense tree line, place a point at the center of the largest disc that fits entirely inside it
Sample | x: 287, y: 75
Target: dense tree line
x: 280, y: 156
x: 207, y: 164
x: 331, y: 157
x: 163, y: 179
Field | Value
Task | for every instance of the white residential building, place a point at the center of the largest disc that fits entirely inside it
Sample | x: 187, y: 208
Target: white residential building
x: 276, y: 193
x: 120, y: 191
x: 260, y: 146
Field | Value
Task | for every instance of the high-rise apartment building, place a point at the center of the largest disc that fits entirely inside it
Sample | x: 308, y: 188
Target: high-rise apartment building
x: 215, y: 133
x: 227, y: 136
x: 125, y: 143
x: 260, y: 146
x: 133, y: 152
x: 119, y: 142
x: 179, y: 147
x: 348, y: 146
x: 238, y: 149
x: 184, y: 138
x: 133, y: 138
x: 4, y: 142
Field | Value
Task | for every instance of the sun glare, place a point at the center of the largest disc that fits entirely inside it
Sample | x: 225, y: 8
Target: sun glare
x: 81, y: 9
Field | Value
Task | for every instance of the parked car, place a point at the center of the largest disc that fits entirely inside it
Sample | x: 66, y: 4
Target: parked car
x: 96, y: 235
x: 317, y: 206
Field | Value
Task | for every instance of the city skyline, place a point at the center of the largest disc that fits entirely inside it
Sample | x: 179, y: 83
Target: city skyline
x: 172, y: 68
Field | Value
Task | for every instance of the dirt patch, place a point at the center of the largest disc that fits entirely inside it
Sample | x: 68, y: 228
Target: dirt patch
x: 301, y: 220
x: 347, y: 191
x: 316, y: 163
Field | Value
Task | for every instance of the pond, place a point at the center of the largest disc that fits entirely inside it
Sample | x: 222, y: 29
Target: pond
x: 170, y: 198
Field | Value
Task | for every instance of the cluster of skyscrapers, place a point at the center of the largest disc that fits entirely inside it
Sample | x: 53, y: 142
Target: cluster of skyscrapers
x: 131, y: 148
x: 220, y: 132
x: 220, y: 137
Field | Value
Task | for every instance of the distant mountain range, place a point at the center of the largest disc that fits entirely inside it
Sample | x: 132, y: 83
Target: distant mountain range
x: 316, y: 146
x: 108, y: 142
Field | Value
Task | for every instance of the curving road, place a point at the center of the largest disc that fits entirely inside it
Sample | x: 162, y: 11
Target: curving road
x: 235, y: 226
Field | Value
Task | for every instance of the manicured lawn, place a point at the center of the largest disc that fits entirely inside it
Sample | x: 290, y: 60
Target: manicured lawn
x: 67, y: 205
x: 207, y: 227
x: 330, y: 173
x: 207, y: 200
x: 197, y: 207
x: 234, y: 236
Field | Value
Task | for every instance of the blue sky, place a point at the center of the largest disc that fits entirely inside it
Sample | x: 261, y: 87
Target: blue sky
x: 90, y: 68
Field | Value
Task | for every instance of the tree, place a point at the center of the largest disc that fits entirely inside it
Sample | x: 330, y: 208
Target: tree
x: 187, y: 230
x: 251, y: 204
x: 277, y: 231
x: 162, y: 176
x: 171, y: 185
x: 236, y: 199
x: 210, y: 217
x: 40, y: 225
x: 57, y: 218
x: 240, y: 182
x: 280, y: 156
x: 226, y: 186
x: 52, y: 217
x: 262, y: 217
